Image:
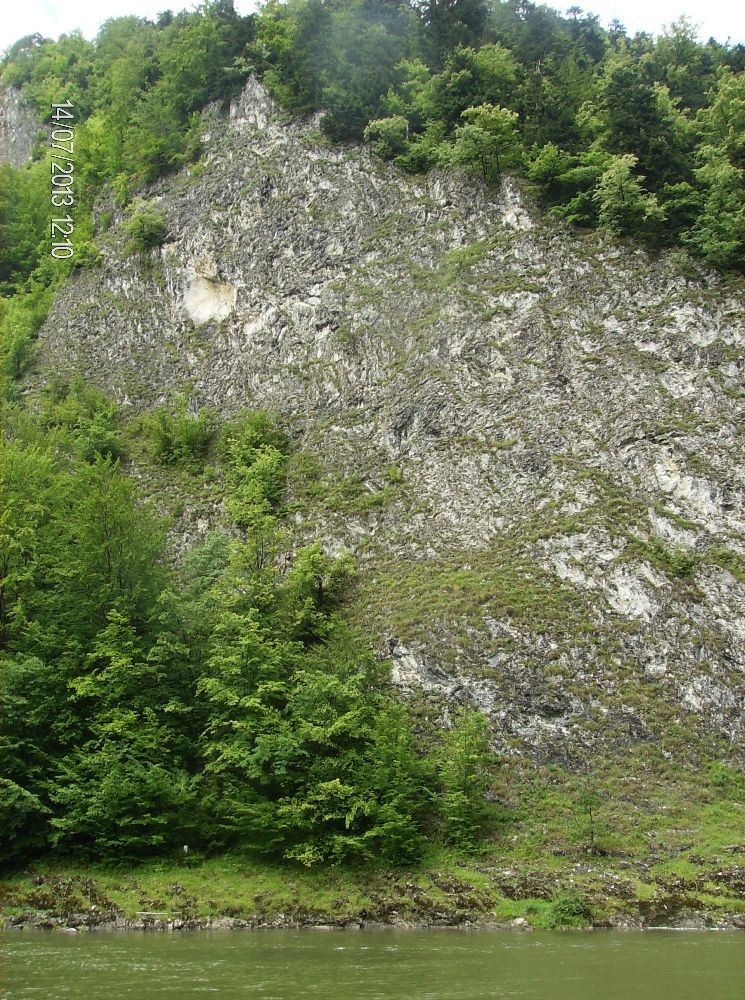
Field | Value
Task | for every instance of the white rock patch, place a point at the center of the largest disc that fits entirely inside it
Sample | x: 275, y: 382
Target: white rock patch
x: 206, y: 299
x: 627, y: 595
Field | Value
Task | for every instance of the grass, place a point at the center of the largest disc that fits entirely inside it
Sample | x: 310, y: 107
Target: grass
x: 322, y: 486
x: 501, y: 582
x: 676, y: 563
x: 727, y: 559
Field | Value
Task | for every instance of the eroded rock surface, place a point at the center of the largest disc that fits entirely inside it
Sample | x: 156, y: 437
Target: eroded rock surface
x: 543, y: 430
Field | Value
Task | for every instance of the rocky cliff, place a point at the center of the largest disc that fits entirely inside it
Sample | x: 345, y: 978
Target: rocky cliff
x: 531, y: 440
x: 19, y: 128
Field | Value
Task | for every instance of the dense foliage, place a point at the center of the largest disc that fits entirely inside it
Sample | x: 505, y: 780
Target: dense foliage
x: 223, y: 705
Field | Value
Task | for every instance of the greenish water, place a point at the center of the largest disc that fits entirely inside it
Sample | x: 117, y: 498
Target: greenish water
x: 375, y: 965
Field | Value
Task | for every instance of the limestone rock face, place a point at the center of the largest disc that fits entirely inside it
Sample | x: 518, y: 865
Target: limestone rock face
x: 531, y: 440
x: 19, y: 128
x: 206, y: 299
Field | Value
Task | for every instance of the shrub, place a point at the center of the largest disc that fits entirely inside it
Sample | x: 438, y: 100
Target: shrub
x: 83, y: 417
x: 176, y: 436
x: 146, y: 229
x: 243, y: 439
x: 389, y: 136
x: 464, y: 766
x: 570, y: 908
x: 254, y: 449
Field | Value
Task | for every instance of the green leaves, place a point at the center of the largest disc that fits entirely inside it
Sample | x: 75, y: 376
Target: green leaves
x: 719, y: 233
x: 22, y: 820
x: 623, y: 205
x: 464, y: 765
x: 230, y: 708
x: 146, y: 229
x: 177, y: 436
x: 407, y: 79
x: 298, y: 761
x: 388, y: 136
x: 486, y: 143
x: 117, y: 800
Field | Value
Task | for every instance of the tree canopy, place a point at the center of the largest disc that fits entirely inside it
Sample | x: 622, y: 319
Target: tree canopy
x: 226, y: 703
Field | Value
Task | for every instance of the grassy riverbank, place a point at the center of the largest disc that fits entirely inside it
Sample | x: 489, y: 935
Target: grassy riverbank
x: 659, y: 849
x: 238, y: 892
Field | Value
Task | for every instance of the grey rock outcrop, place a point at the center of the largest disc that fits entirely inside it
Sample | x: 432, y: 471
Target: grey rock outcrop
x: 543, y: 430
x: 19, y: 128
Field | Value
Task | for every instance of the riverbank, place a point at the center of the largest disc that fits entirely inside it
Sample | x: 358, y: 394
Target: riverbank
x: 235, y: 893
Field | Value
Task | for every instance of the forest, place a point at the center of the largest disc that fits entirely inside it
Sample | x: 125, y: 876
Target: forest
x: 219, y: 704
x: 223, y: 701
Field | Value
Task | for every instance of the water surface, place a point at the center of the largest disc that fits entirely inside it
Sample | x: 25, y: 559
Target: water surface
x: 374, y: 965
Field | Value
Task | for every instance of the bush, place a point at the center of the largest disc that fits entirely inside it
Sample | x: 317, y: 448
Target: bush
x: 570, y: 908
x: 20, y: 318
x: 242, y: 440
x: 389, y: 136
x: 255, y: 451
x: 84, y: 418
x: 176, y: 436
x: 146, y: 229
x: 464, y: 766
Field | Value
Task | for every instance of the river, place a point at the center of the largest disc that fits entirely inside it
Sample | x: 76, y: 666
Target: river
x: 374, y: 965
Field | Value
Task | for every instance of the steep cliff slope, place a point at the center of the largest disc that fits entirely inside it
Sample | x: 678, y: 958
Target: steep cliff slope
x: 530, y: 440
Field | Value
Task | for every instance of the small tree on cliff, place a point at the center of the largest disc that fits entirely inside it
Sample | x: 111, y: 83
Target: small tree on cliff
x: 486, y: 143
x: 624, y: 207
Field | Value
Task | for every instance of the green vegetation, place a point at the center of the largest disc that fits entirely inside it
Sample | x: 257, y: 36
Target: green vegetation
x: 641, y: 137
x: 226, y: 705
x: 503, y: 581
x: 176, y: 436
x: 638, y: 136
x: 664, y: 845
x: 136, y: 93
x: 728, y: 559
x: 146, y: 229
